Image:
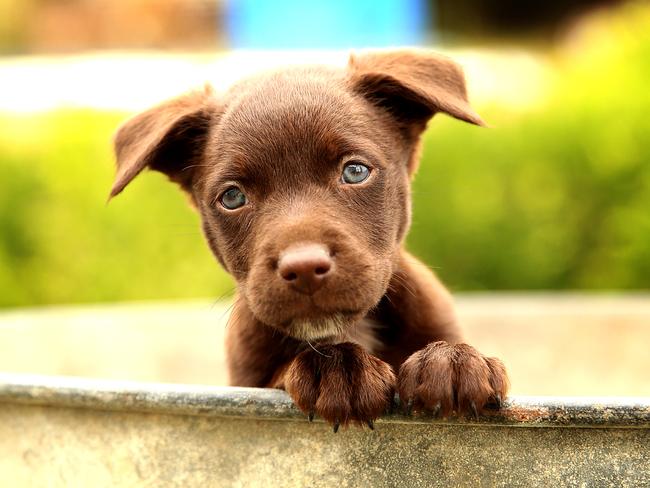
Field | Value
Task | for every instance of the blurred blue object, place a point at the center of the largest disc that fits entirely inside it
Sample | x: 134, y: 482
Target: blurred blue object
x: 323, y: 24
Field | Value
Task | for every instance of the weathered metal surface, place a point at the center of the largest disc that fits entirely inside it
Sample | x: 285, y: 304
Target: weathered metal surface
x: 76, y: 432
x: 82, y: 432
x: 276, y: 404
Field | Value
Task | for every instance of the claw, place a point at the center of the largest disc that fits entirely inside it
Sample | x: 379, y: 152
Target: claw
x: 311, y: 416
x: 409, y: 406
x: 391, y: 407
x: 436, y: 410
x: 474, y: 410
x: 495, y: 402
x: 371, y: 424
x: 335, y: 428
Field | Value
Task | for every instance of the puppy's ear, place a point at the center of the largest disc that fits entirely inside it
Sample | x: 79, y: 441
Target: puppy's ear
x: 169, y: 138
x: 412, y: 85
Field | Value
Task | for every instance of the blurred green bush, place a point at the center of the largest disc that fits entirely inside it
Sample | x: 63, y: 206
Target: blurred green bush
x: 552, y: 198
x: 60, y: 242
x: 555, y: 198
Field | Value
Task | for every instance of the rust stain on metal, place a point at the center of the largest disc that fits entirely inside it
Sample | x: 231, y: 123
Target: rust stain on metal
x: 526, y: 414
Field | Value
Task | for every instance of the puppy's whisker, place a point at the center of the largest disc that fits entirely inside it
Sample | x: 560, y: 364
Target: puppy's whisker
x: 196, y: 166
x: 404, y: 283
x: 416, y: 261
x: 227, y: 311
x: 227, y: 293
x: 390, y: 300
x: 316, y: 350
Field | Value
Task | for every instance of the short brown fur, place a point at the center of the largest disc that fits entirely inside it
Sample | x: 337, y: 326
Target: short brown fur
x: 380, y: 321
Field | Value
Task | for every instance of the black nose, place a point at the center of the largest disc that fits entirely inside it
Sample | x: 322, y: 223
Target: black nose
x: 305, y: 267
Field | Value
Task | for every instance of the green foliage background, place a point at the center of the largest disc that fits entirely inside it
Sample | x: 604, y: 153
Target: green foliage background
x: 557, y: 197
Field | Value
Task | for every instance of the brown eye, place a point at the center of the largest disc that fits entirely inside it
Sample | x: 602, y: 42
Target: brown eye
x: 355, y: 173
x: 233, y: 198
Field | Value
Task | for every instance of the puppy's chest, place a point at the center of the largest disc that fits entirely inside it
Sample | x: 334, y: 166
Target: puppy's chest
x: 364, y: 333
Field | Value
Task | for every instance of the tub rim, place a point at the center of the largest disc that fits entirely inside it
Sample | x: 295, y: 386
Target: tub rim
x: 272, y: 404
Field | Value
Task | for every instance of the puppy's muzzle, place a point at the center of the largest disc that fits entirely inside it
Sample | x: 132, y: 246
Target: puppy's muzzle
x: 306, y: 267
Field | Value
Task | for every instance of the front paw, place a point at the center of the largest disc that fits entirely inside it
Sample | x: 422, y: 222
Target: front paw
x: 342, y: 383
x: 443, y: 378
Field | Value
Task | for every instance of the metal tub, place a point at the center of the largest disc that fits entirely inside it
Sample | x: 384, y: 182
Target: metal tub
x: 101, y: 430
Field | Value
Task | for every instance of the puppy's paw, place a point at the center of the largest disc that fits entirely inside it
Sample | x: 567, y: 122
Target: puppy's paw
x: 342, y: 383
x: 444, y: 378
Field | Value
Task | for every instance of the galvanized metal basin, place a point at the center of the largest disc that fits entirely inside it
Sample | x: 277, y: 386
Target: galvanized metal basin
x: 57, y: 431
x: 164, y: 428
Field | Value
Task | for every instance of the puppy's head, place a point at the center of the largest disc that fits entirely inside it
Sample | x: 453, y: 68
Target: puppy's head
x: 301, y: 177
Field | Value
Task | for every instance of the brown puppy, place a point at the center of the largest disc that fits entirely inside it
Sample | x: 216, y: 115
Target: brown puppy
x: 301, y: 177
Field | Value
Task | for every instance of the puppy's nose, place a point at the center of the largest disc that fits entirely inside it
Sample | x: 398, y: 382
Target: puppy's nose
x: 305, y: 267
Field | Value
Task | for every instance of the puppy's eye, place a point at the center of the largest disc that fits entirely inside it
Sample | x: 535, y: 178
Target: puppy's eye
x: 233, y: 198
x: 354, y: 173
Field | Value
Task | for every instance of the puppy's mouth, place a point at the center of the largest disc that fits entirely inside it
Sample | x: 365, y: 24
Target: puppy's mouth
x: 320, y: 327
x: 332, y: 310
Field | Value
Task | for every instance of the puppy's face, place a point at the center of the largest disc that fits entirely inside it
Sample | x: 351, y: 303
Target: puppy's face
x: 301, y: 178
x: 304, y: 198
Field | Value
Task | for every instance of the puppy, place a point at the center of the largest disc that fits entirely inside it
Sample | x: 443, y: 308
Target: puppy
x: 301, y: 177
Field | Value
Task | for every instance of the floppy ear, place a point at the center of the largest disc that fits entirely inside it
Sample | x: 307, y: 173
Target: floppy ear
x: 412, y: 85
x: 169, y: 138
